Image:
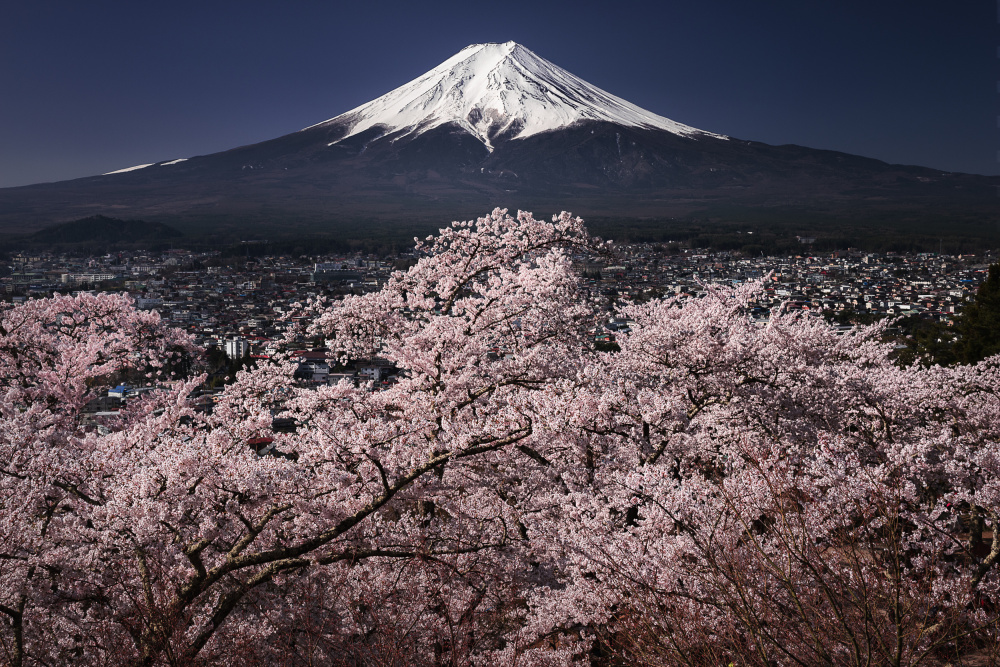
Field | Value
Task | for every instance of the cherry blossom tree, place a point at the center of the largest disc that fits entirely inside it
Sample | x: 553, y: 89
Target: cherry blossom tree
x: 781, y: 494
x: 52, y: 352
x: 164, y: 539
x: 716, y: 491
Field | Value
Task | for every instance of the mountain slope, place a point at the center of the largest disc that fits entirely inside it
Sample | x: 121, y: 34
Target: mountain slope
x: 102, y: 229
x: 496, y: 125
x: 497, y: 91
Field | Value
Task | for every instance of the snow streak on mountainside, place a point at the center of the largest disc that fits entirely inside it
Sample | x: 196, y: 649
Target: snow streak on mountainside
x: 128, y: 169
x: 499, y: 90
x: 143, y: 166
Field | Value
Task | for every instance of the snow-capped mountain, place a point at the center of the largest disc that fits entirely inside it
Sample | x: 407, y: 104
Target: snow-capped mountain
x: 498, y: 90
x: 497, y: 125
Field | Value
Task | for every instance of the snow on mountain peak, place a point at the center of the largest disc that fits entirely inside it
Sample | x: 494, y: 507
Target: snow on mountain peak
x: 494, y: 90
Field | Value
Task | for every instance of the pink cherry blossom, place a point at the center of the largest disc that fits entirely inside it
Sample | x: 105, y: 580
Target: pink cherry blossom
x: 717, y: 492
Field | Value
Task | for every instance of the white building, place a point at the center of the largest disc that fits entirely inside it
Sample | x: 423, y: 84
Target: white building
x: 143, y: 303
x: 317, y: 371
x: 237, y: 348
x: 86, y: 278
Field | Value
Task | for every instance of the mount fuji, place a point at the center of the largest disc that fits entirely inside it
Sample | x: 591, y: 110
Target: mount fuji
x: 498, y: 125
x: 497, y: 92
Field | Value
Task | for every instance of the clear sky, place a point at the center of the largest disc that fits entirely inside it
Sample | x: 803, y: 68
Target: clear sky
x: 89, y: 87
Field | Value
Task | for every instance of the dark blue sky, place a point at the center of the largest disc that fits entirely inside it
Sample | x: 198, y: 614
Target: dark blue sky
x: 88, y: 87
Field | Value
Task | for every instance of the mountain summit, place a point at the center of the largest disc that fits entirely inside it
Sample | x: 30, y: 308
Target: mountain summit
x: 497, y: 91
x: 497, y: 125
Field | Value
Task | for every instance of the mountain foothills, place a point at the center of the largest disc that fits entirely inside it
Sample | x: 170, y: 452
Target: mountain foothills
x: 497, y: 125
x: 102, y: 229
